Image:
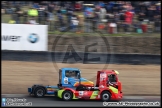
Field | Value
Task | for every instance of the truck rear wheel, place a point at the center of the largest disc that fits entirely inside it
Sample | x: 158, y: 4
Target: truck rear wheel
x: 67, y: 95
x: 39, y: 92
x: 105, y: 96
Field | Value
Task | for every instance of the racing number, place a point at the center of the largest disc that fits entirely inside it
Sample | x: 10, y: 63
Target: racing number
x: 65, y: 80
x: 102, y: 75
x: 81, y: 93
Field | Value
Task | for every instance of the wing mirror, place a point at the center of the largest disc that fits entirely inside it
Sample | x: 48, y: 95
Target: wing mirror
x: 78, y: 75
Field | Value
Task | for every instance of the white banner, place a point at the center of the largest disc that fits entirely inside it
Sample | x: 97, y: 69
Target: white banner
x: 24, y: 37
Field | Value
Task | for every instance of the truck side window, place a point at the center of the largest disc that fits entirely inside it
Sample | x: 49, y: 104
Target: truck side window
x: 71, y: 73
x: 112, y: 78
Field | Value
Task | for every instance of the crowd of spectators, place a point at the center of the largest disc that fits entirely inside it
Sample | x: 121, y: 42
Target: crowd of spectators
x: 117, y: 14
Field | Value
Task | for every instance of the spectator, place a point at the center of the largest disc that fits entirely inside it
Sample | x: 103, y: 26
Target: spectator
x: 102, y: 13
x: 95, y: 21
x: 36, y: 6
x: 33, y: 21
x: 88, y: 12
x: 115, y: 8
x: 62, y: 4
x: 108, y: 7
x: 122, y: 15
x: 120, y: 6
x: 158, y: 8
x: 60, y: 18
x: 143, y: 7
x: 8, y: 8
x: 12, y: 20
x: 3, y: 11
x: 18, y: 13
x: 88, y: 15
x: 141, y: 17
x: 32, y: 12
x: 151, y: 12
x: 113, y: 27
x: 43, y: 3
x: 101, y: 4
x: 81, y: 22
x: 41, y: 14
x: 128, y: 17
x: 50, y: 14
x: 114, y: 11
x: 128, y: 20
x: 25, y: 15
x: 136, y: 7
x: 2, y: 5
x: 116, y: 17
x: 77, y: 6
x: 69, y: 15
x: 157, y: 24
x: 74, y: 23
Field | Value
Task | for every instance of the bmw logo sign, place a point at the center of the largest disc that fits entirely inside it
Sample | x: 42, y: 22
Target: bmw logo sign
x: 33, y: 38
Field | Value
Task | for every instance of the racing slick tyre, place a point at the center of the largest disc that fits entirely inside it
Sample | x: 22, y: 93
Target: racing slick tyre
x: 39, y: 92
x: 67, y: 95
x: 105, y: 96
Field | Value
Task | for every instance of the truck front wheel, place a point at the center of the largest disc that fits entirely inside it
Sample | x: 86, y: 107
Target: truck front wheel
x: 67, y: 95
x: 105, y: 96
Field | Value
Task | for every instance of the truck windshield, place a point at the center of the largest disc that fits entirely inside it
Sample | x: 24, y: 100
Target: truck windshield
x: 72, y: 74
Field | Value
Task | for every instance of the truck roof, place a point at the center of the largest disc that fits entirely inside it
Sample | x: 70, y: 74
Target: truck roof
x: 70, y: 69
x: 110, y: 71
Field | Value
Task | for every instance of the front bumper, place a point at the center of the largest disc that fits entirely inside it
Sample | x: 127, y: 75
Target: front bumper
x: 55, y: 93
x: 29, y: 90
x: 118, y: 96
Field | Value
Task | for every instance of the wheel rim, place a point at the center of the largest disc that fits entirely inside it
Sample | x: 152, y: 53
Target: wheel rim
x: 40, y: 92
x: 105, y: 96
x: 67, y: 96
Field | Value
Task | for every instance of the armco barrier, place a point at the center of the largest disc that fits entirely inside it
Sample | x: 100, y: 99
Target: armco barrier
x: 59, y: 56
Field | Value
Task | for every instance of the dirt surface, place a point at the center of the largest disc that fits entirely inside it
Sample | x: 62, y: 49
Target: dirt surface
x: 136, y: 79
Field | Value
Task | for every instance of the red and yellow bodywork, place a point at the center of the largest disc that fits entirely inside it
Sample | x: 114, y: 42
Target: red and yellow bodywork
x: 115, y: 93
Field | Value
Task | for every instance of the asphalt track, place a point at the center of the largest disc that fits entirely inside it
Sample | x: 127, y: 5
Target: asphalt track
x: 54, y: 102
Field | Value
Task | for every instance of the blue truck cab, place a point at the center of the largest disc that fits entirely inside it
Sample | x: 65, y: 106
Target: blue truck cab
x: 68, y: 77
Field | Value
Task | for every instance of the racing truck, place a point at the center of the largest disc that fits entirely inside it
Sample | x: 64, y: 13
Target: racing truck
x: 68, y: 78
x: 108, y: 87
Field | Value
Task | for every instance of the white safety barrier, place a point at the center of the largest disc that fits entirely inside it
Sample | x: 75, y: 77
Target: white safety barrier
x: 24, y: 37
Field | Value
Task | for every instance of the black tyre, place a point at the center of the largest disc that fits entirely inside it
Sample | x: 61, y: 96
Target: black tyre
x: 39, y: 92
x: 67, y: 95
x: 105, y: 96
